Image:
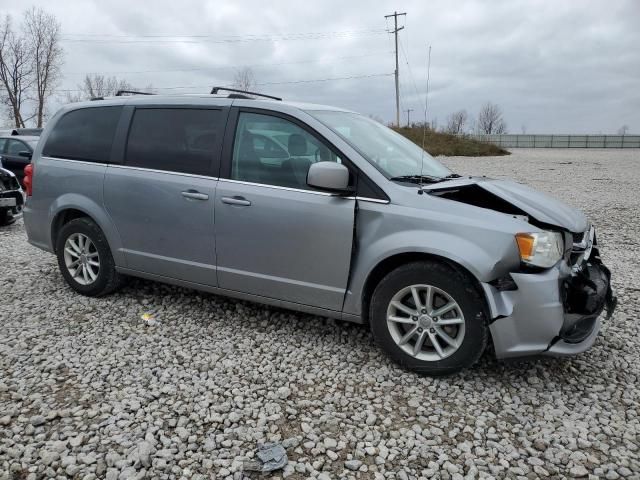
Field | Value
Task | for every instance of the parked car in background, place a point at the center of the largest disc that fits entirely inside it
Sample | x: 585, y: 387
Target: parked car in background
x: 33, y: 132
x: 319, y: 210
x: 12, y: 198
x: 15, y: 153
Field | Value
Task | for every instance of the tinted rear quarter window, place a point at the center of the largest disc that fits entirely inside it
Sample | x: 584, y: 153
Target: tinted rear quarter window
x: 14, y: 147
x: 84, y: 134
x: 183, y: 140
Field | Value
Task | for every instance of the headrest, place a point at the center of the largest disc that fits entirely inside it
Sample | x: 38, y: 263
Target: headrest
x: 297, y: 145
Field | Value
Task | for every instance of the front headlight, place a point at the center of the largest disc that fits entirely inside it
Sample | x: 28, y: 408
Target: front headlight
x: 540, y: 249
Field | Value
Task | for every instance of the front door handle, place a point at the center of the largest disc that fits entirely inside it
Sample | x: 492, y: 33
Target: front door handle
x: 236, y: 201
x: 195, y: 195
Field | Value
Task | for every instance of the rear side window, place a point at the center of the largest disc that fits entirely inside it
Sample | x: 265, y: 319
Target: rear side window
x: 14, y: 147
x: 85, y: 134
x: 183, y: 140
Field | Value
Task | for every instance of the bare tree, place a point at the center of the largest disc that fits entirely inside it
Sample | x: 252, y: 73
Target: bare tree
x: 623, y: 130
x: 456, y: 122
x: 244, y: 79
x: 98, y: 86
x: 43, y: 34
x: 15, y: 71
x: 490, y: 119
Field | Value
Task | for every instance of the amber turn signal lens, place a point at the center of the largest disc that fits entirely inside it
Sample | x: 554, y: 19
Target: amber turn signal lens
x: 526, y: 244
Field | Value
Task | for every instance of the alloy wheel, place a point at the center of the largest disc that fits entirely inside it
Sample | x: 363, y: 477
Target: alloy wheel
x: 426, y: 322
x: 81, y: 258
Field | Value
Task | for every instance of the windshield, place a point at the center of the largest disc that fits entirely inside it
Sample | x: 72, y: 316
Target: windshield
x: 388, y: 151
x: 32, y: 143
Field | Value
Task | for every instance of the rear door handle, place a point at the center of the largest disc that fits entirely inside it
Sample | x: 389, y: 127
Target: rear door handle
x: 195, y: 195
x: 236, y: 201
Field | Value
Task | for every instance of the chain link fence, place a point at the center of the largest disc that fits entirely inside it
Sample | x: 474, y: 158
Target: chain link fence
x: 560, y: 141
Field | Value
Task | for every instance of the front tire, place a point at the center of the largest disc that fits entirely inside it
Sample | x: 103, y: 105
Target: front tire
x: 85, y: 259
x: 429, y: 318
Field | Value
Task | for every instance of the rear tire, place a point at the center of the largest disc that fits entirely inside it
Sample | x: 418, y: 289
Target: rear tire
x: 85, y: 259
x: 429, y: 318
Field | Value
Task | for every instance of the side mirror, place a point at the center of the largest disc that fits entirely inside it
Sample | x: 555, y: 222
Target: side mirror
x: 330, y: 176
x: 25, y: 154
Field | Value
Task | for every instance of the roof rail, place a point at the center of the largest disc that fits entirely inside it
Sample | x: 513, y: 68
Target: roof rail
x: 215, y: 90
x: 121, y: 93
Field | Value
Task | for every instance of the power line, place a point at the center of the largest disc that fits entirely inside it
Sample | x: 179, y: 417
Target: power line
x: 289, y: 82
x: 223, y: 67
x: 328, y: 79
x: 246, y: 35
x: 217, y: 40
x: 406, y: 58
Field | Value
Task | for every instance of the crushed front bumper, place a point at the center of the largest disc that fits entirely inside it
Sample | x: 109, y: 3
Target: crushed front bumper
x: 555, y: 312
x: 11, y: 195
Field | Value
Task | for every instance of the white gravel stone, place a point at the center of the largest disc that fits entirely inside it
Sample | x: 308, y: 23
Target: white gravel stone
x: 284, y: 392
x: 352, y: 464
x: 194, y: 394
x: 330, y: 442
x: 37, y: 420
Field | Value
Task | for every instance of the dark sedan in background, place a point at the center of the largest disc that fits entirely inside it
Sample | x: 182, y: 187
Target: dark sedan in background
x: 15, y: 153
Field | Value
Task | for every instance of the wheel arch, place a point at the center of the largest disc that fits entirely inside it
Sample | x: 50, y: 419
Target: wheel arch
x: 72, y: 206
x: 63, y: 217
x: 388, y: 264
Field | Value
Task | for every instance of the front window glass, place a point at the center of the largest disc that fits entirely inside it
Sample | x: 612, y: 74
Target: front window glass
x: 388, y: 151
x: 274, y: 151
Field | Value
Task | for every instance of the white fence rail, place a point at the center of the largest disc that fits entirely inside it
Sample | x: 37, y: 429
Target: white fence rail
x: 561, y: 141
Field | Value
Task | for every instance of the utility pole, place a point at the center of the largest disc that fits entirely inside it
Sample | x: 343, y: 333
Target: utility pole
x: 408, y: 110
x: 395, y: 31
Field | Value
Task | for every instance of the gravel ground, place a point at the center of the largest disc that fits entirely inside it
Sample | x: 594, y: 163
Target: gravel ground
x: 88, y: 389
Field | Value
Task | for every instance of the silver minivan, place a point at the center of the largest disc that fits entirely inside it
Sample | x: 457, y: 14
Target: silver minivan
x: 315, y: 209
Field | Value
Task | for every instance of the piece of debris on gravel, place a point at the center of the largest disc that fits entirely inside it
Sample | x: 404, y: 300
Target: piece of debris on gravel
x: 88, y: 390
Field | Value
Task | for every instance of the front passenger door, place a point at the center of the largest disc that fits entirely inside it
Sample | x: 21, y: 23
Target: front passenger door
x: 275, y: 236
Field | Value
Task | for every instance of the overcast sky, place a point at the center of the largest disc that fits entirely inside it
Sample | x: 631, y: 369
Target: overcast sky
x: 553, y: 66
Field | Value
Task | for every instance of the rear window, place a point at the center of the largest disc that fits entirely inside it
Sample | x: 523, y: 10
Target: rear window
x: 85, y: 134
x: 183, y: 140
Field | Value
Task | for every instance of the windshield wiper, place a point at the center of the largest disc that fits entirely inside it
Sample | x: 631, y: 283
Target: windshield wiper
x: 453, y: 175
x: 418, y: 178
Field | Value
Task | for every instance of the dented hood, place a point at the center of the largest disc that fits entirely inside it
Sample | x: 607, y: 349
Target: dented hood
x: 537, y: 205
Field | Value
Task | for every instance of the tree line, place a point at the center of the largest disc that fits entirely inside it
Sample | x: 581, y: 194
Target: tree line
x: 489, y: 121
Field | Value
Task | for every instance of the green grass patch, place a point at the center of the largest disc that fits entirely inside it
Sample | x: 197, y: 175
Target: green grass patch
x: 438, y: 143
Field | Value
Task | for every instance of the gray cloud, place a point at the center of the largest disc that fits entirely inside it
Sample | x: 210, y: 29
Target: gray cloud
x: 552, y: 66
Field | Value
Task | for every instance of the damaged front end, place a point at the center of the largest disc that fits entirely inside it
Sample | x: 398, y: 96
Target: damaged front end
x: 549, y: 308
x: 11, y: 196
x: 555, y: 312
x: 586, y: 293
